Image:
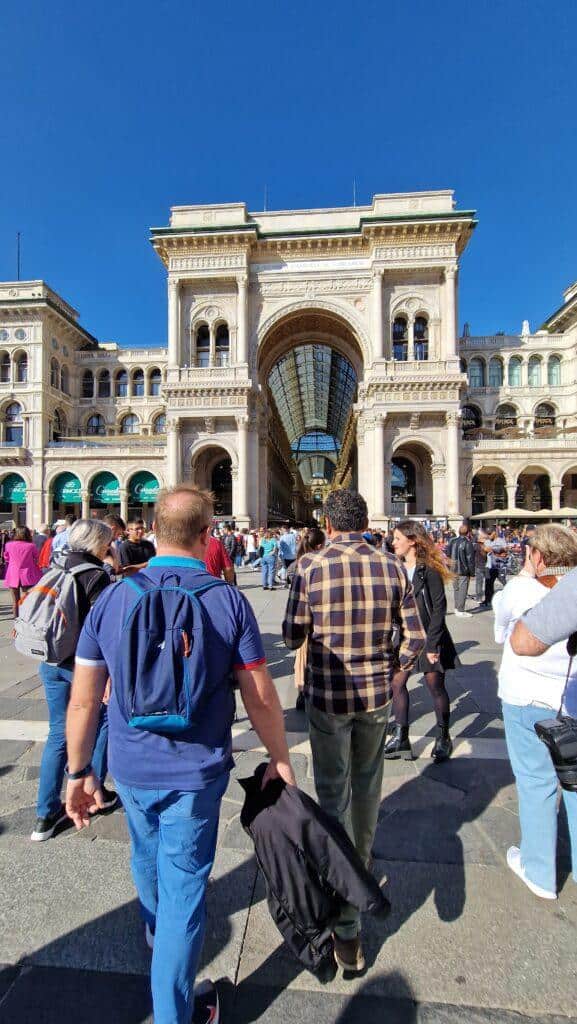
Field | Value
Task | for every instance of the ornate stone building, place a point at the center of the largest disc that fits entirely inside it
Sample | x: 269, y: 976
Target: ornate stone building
x: 306, y: 349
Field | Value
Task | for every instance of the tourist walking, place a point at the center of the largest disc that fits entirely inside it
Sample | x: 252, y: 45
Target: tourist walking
x: 461, y: 553
x: 312, y: 540
x: 172, y: 782
x: 269, y: 551
x: 428, y: 574
x: 22, y: 571
x: 287, y: 551
x: 531, y: 690
x: 88, y: 542
x: 344, y: 600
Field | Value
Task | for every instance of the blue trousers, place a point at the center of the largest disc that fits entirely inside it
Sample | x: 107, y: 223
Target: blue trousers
x: 537, y: 792
x: 268, y: 566
x: 173, y: 842
x: 57, y: 683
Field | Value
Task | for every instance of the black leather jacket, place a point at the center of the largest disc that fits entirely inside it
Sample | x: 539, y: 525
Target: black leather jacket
x: 462, y: 554
x: 310, y: 867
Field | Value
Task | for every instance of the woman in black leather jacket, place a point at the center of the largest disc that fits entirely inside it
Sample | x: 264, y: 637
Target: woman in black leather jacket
x: 427, y: 571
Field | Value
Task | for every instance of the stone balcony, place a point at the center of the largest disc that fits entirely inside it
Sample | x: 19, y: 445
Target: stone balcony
x: 13, y: 454
x: 212, y: 375
x: 506, y: 444
x: 115, y: 447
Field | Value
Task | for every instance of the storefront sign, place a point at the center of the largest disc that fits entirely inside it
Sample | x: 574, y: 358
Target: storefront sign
x: 14, y: 489
x: 67, y: 489
x: 105, y: 490
x: 144, y: 488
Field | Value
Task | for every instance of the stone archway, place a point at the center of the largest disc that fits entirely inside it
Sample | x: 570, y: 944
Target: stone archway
x: 212, y: 469
x: 412, y: 480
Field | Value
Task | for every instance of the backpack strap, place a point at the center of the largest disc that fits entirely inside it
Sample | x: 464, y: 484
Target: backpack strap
x: 83, y: 567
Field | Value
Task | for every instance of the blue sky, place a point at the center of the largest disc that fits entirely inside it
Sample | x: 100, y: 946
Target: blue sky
x: 112, y: 113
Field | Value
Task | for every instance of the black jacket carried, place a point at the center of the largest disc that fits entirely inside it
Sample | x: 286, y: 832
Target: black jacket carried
x: 310, y: 868
x: 431, y: 599
x: 462, y: 553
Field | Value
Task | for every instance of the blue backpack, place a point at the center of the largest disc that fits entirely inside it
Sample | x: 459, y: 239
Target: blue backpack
x: 160, y: 678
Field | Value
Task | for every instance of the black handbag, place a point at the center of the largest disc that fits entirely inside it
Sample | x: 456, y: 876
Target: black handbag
x: 560, y: 734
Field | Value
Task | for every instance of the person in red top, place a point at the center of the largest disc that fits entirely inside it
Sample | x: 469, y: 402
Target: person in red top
x: 217, y: 561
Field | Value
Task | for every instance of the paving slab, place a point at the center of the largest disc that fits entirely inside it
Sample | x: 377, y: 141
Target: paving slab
x: 457, y: 934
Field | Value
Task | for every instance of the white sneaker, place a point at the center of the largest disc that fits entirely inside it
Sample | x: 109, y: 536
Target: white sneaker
x: 464, y: 615
x: 516, y: 865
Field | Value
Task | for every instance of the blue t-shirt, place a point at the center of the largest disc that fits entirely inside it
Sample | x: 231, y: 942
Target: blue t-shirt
x: 148, y: 760
x: 288, y: 546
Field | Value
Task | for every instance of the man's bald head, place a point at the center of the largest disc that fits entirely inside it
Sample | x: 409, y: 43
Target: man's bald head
x: 181, y: 514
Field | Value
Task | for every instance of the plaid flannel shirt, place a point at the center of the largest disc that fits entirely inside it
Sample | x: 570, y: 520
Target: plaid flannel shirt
x: 348, y: 599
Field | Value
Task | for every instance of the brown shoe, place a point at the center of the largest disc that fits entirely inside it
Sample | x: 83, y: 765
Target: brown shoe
x: 349, y: 954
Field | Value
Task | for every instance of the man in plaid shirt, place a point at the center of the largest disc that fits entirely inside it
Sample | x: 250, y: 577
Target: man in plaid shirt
x: 355, y: 608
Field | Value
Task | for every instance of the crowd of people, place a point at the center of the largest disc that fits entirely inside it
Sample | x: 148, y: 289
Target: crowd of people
x: 365, y: 611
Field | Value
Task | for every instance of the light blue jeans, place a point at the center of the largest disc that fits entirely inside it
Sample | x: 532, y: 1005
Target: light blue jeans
x: 173, y: 842
x: 57, y: 682
x: 537, y: 792
x: 268, y: 566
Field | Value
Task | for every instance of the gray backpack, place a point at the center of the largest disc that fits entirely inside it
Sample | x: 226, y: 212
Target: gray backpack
x: 48, y: 625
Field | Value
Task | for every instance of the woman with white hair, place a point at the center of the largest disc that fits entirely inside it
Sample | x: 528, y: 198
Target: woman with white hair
x: 88, y: 544
x: 531, y: 689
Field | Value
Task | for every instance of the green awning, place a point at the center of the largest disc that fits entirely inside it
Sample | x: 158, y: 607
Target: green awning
x: 14, y: 489
x: 67, y: 489
x: 143, y: 488
x: 105, y: 489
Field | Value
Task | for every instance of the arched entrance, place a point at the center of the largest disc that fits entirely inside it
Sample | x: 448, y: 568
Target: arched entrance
x: 411, y: 481
x: 66, y: 495
x: 104, y: 494
x: 534, y: 489
x: 488, y: 491
x: 143, y: 490
x: 310, y: 364
x: 212, y: 469
x: 13, y: 498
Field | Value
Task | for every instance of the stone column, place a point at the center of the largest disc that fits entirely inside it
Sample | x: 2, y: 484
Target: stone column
x: 241, y: 506
x: 85, y: 504
x: 438, y: 478
x: 411, y: 340
x: 511, y: 495
x: 212, y: 346
x: 124, y: 504
x: 556, y: 497
x: 173, y: 452
x: 173, y: 323
x: 242, y: 320
x: 379, y: 504
x: 450, y: 331
x: 378, y: 334
x: 452, y: 456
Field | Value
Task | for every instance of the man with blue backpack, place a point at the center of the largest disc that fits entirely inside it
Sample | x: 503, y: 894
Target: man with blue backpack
x: 173, y: 640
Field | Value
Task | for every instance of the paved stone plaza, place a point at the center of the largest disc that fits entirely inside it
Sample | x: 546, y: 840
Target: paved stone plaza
x: 465, y: 941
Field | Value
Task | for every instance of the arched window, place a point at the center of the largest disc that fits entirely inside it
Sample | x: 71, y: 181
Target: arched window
x: 88, y: 384
x: 554, y: 371
x: 505, y: 417
x: 121, y: 384
x: 495, y: 373
x: 544, y: 415
x: 476, y: 373
x: 471, y: 419
x: 421, y: 336
x: 222, y: 345
x: 22, y: 368
x: 104, y: 384
x: 58, y: 425
x: 4, y: 368
x: 138, y: 384
x: 155, y: 382
x: 54, y: 374
x: 159, y: 424
x: 463, y: 365
x: 95, y: 426
x: 534, y: 372
x: 400, y: 338
x: 65, y: 380
x: 13, y: 424
x: 515, y: 374
x: 129, y: 424
x: 202, y: 346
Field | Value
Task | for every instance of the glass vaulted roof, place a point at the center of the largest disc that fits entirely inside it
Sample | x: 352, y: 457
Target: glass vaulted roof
x: 313, y: 388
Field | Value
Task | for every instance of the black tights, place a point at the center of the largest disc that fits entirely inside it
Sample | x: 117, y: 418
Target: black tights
x: 436, y: 686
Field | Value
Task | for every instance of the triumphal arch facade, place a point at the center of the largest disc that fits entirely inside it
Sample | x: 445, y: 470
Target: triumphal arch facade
x: 314, y: 348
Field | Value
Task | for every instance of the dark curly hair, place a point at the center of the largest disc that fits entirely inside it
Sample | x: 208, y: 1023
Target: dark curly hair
x: 346, y: 510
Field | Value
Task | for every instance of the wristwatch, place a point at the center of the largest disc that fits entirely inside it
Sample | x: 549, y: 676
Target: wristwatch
x: 74, y: 776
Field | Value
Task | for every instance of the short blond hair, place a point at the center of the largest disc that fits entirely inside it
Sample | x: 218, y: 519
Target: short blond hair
x: 181, y: 514
x: 557, y: 544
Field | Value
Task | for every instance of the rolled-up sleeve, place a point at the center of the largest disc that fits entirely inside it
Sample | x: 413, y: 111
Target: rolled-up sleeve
x: 298, y: 622
x: 413, y: 635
